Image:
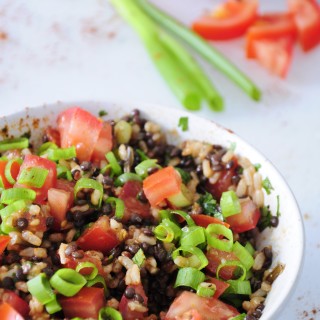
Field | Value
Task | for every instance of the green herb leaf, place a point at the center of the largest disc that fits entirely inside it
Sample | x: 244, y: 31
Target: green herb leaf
x: 257, y: 166
x: 139, y: 258
x: 185, y: 176
x: 209, y: 206
x: 266, y: 185
x: 102, y: 113
x: 184, y: 123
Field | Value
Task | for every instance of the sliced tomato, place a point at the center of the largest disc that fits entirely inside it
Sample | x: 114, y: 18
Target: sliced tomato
x: 307, y: 19
x: 99, y: 237
x: 85, y: 304
x: 221, y: 286
x: 133, y: 206
x: 161, y: 185
x: 81, y: 129
x: 4, y: 240
x: 18, y: 304
x: 247, y: 219
x: 14, y: 172
x: 208, y: 308
x: 230, y: 20
x: 124, y: 308
x: 31, y: 161
x: 53, y: 135
x: 9, y: 313
x: 215, y: 258
x: 203, y: 220
x: 104, y: 143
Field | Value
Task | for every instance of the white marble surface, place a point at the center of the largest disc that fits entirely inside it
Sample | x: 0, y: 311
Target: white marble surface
x: 73, y: 50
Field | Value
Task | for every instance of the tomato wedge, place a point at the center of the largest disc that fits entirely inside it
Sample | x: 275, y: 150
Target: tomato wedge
x: 81, y: 129
x: 85, y: 304
x: 203, y: 220
x: 307, y: 19
x: 161, y: 185
x: 9, y: 313
x: 221, y: 286
x: 99, y: 237
x: 4, y: 240
x: 104, y: 143
x: 14, y: 172
x: 17, y: 303
x: 52, y: 135
x: 230, y: 20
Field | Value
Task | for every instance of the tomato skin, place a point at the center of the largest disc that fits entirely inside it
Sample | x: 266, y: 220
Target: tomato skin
x: 207, y: 308
x: 215, y: 257
x: 228, y: 21
x: 99, y: 237
x: 14, y: 172
x: 85, y: 304
x: 17, y: 303
x: 133, y: 206
x: 104, y: 143
x: 4, y: 240
x: 53, y: 135
x: 221, y: 286
x: 307, y: 19
x: 124, y: 307
x: 247, y: 219
x: 203, y: 220
x: 31, y: 161
x: 81, y: 129
x: 9, y: 313
x: 153, y: 185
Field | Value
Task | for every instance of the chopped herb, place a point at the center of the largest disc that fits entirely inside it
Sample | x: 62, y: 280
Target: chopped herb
x: 139, y: 258
x: 185, y: 176
x: 233, y: 146
x: 278, y: 213
x: 26, y: 135
x: 184, y: 123
x: 266, y: 185
x: 210, y: 206
x: 102, y: 113
x: 257, y: 166
x: 265, y: 219
x: 142, y: 155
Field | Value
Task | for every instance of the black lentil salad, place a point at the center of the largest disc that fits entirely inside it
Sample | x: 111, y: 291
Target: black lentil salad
x: 106, y: 220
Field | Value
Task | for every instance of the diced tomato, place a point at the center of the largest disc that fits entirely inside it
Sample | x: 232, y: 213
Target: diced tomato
x: 221, y: 286
x: 307, y: 19
x: 215, y: 257
x: 18, y: 304
x: 31, y: 161
x: 14, y: 172
x: 85, y: 304
x: 247, y: 219
x: 41, y: 225
x: 124, y: 304
x: 4, y: 240
x: 224, y: 182
x: 9, y: 313
x: 81, y: 129
x: 230, y: 20
x: 53, y: 135
x: 203, y: 220
x: 104, y: 143
x: 99, y: 237
x: 161, y: 185
x: 133, y: 206
x: 208, y: 308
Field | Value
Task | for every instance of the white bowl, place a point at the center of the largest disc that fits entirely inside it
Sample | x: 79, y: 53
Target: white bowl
x: 287, y: 239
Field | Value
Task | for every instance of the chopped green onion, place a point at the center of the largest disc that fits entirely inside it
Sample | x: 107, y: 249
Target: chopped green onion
x: 241, y: 316
x: 266, y: 185
x: 229, y: 204
x: 192, y: 236
x: 110, y: 314
x: 139, y: 258
x: 250, y: 248
x: 189, y: 277
x: 125, y: 177
x: 243, y: 255
x: 185, y: 216
x: 33, y: 176
x: 185, y: 176
x: 15, y: 143
x: 11, y: 195
x: 87, y: 264
x: 7, y: 170
x: 1, y: 184
x: 213, y: 231
x: 40, y: 288
x: 206, y: 289
x: 164, y: 233
x: 67, y: 281
x: 45, y: 146
x: 142, y: 155
x: 191, y: 257
x: 232, y: 263
x: 173, y: 226
x: 207, y: 51
x: 115, y: 167
x: 184, y: 123
x: 239, y: 287
x: 98, y: 280
x: 119, y: 204
x: 58, y: 154
x: 166, y: 214
x: 64, y: 172
x: 143, y: 167
x: 87, y: 183
x: 53, y: 306
x: 278, y: 213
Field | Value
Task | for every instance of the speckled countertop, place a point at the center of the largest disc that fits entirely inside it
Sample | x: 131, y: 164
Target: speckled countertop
x: 71, y: 50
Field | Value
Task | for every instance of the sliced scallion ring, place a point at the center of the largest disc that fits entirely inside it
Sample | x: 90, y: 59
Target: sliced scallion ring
x: 40, y: 288
x: 189, y: 277
x: 164, y: 233
x: 143, y: 167
x: 11, y: 195
x: 239, y: 287
x: 53, y: 306
x: 90, y: 265
x: 33, y: 176
x: 7, y: 170
x: 115, y: 167
x: 15, y: 143
x: 59, y: 154
x: 87, y: 183
x: 185, y: 216
x: 45, y: 146
x: 125, y: 177
x: 243, y: 255
x: 109, y: 313
x: 232, y: 263
x: 229, y: 204
x: 119, y: 206
x: 213, y: 231
x: 192, y: 236
x: 98, y: 280
x: 190, y: 257
x: 206, y: 289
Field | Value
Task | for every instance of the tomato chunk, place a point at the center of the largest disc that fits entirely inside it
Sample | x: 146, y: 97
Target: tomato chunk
x: 247, y: 219
x: 203, y: 220
x: 161, y: 185
x: 133, y: 206
x: 4, y: 240
x: 81, y: 129
x: 14, y: 172
x: 230, y: 20
x: 9, y: 313
x: 208, y: 308
x: 17, y: 303
x: 221, y: 286
x: 104, y: 143
x: 99, y: 237
x: 52, y: 135
x: 31, y: 161
x: 85, y: 304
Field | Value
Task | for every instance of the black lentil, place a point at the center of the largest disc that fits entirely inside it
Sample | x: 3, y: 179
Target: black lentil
x: 129, y: 292
x: 7, y: 283
x: 274, y: 221
x: 49, y: 222
x: 138, y: 297
x: 77, y: 254
x: 22, y: 223
x: 86, y: 166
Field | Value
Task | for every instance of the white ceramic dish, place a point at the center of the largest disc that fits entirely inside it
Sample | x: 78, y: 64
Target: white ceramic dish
x: 287, y: 239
